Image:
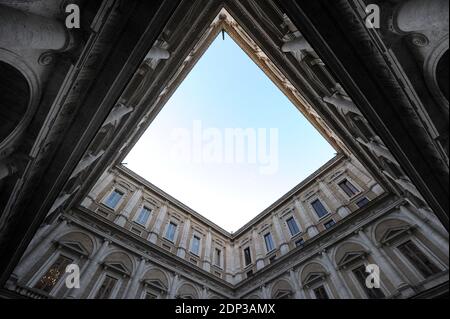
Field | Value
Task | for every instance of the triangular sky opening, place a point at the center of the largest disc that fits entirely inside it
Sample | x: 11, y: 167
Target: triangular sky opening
x: 186, y: 151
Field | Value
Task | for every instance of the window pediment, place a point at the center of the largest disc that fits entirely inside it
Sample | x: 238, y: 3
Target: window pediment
x: 314, y: 278
x: 394, y: 233
x: 117, y: 267
x: 155, y: 285
x: 351, y: 257
x: 75, y: 247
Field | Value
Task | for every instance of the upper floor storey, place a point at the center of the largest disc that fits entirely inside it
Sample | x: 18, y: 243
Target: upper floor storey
x: 338, y: 189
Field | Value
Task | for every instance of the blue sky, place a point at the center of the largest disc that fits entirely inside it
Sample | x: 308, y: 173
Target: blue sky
x: 226, y: 90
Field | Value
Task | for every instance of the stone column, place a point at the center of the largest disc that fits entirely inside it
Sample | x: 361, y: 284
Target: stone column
x: 132, y: 290
x: 39, y: 250
x: 207, y: 257
x: 123, y: 216
x: 89, y: 271
x: 342, y: 210
x: 156, y: 229
x: 336, y: 278
x: 305, y: 216
x: 23, y: 30
x: 237, y: 267
x: 258, y: 250
x: 299, y: 292
x: 181, y: 252
x: 173, y: 287
x: 383, y: 262
x: 434, y: 236
x: 265, y: 293
x: 284, y: 246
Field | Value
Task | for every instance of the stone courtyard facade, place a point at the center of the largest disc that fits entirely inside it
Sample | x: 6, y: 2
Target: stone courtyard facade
x: 131, y: 240
x: 75, y: 101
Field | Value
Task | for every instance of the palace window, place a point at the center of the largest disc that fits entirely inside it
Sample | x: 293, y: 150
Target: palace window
x: 114, y: 199
x: 144, y: 215
x: 218, y: 258
x: 321, y: 293
x: 362, y: 202
x: 300, y: 243
x: 106, y: 289
x: 348, y: 188
x: 247, y: 256
x: 329, y: 224
x: 53, y: 274
x: 269, y: 242
x: 361, y: 274
x: 195, y: 246
x: 293, y: 227
x: 171, y: 230
x: 426, y: 267
x: 319, y: 208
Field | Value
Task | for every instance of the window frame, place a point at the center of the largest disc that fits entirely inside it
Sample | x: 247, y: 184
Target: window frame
x: 250, y: 257
x: 356, y: 186
x: 138, y: 215
x: 195, y: 238
x: 329, y: 222
x: 323, y: 205
x: 271, y: 242
x: 293, y: 219
x: 359, y: 285
x: 218, y: 261
x: 168, y: 225
x: 433, y: 259
x: 115, y: 189
x: 360, y: 200
x: 46, y: 267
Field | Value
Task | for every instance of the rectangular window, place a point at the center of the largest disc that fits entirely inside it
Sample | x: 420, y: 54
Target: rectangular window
x: 361, y: 274
x: 269, y: 242
x: 144, y: 215
x: 362, y: 202
x: 348, y: 188
x: 321, y: 293
x: 114, y: 199
x: 300, y: 243
x: 426, y: 267
x: 319, y: 208
x: 218, y: 258
x: 293, y: 227
x: 171, y: 230
x: 247, y: 256
x: 195, y: 246
x: 53, y: 274
x: 106, y: 289
x: 329, y: 224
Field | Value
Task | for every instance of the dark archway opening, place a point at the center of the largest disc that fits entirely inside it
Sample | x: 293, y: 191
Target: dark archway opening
x: 15, y: 94
x: 442, y: 74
